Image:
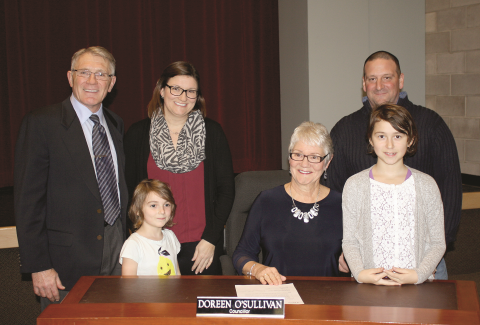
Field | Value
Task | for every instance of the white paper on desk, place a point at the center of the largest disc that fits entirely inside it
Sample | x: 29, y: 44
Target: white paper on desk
x: 259, y: 290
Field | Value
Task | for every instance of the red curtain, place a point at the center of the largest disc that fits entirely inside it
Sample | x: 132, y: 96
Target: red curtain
x: 232, y: 43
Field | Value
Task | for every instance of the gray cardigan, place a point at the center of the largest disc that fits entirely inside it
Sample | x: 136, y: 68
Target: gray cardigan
x: 357, y: 227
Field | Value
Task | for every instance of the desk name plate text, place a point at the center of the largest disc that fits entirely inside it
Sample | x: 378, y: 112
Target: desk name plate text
x: 241, y: 307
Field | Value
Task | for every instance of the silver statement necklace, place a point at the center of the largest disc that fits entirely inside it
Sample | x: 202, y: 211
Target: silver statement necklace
x: 306, y: 216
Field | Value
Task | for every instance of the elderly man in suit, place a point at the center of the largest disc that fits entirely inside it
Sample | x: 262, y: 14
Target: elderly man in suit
x: 70, y: 191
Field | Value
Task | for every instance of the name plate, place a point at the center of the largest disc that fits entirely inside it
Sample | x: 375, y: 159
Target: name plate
x: 241, y: 307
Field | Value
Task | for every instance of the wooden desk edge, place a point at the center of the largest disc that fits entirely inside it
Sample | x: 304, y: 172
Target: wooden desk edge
x: 180, y: 313
x: 468, y: 309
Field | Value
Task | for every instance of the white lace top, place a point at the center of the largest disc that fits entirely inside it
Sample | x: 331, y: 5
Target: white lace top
x: 393, y: 223
x: 429, y: 240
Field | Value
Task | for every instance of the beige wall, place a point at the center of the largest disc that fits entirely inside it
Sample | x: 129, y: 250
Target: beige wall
x: 294, y: 83
x: 453, y: 73
x: 323, y: 45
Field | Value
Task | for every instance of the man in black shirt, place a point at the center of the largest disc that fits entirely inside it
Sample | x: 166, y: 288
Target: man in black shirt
x: 436, y: 155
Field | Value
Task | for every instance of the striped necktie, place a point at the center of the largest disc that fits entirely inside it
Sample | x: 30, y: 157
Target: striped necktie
x: 106, y: 178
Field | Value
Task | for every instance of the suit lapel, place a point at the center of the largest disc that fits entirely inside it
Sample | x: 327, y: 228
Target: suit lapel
x: 77, y: 146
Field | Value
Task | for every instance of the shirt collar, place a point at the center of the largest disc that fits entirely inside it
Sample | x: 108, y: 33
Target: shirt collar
x: 84, y: 113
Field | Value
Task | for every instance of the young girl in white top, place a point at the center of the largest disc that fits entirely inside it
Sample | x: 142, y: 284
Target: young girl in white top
x: 151, y: 250
x: 393, y: 229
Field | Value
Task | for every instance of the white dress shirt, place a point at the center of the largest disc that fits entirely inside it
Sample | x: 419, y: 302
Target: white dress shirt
x: 83, y: 114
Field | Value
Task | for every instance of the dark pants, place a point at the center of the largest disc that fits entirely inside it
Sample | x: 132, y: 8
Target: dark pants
x: 185, y: 259
x: 113, y: 242
x: 112, y: 245
x: 44, y: 302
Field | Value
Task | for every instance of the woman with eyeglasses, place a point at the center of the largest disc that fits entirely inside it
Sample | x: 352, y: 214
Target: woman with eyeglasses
x: 297, y: 226
x: 178, y: 145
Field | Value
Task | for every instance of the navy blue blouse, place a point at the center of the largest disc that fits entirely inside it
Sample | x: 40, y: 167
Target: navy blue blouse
x: 294, y: 247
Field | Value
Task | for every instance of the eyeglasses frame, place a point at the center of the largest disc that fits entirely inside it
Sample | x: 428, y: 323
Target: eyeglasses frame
x: 308, y: 159
x: 183, y: 91
x: 108, y: 75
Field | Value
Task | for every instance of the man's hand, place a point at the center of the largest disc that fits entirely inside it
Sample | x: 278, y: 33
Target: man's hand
x: 342, y: 265
x: 46, y: 284
x: 203, y: 256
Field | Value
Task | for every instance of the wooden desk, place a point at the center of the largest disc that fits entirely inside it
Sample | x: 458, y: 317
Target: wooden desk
x: 172, y: 300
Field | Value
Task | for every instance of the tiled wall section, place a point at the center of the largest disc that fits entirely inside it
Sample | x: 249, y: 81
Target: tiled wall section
x: 452, y: 47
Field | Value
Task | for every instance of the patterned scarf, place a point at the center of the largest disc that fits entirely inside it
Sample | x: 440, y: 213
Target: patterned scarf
x: 190, y: 150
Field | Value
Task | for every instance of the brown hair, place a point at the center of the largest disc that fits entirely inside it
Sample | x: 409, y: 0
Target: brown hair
x: 179, y: 68
x: 383, y: 55
x: 400, y: 119
x: 140, y: 195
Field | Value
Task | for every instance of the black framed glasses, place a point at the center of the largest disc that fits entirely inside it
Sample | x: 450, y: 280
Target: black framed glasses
x: 177, y: 91
x: 315, y: 159
x: 99, y: 75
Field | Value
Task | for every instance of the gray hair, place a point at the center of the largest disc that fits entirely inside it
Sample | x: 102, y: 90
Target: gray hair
x: 98, y: 51
x: 313, y: 134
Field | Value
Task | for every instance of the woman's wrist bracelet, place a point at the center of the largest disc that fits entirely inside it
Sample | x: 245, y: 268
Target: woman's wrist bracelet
x: 249, y: 273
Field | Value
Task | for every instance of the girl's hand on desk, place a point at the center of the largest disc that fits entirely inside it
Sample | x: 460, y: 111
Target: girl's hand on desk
x: 402, y: 276
x: 268, y: 275
x: 376, y: 276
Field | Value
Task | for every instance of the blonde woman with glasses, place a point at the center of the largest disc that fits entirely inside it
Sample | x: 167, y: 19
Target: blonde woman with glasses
x: 297, y: 226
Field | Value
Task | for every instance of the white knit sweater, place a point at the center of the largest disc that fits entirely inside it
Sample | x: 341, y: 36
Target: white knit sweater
x: 357, y: 228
